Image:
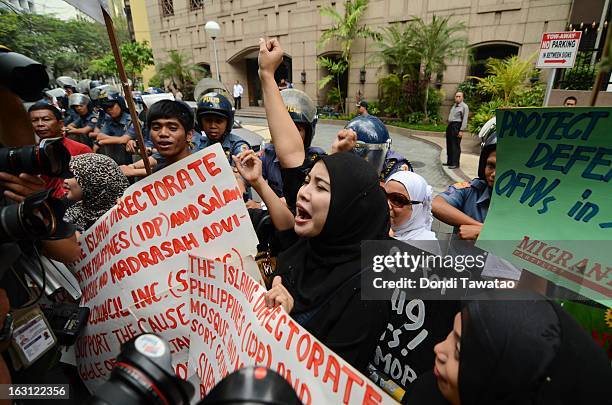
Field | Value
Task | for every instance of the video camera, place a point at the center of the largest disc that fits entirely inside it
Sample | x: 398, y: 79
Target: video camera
x: 143, y: 375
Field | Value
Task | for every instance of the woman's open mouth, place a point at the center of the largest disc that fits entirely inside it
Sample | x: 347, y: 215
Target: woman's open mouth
x: 301, y: 215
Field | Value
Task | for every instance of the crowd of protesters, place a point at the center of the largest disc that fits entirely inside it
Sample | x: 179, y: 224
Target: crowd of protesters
x: 516, y: 347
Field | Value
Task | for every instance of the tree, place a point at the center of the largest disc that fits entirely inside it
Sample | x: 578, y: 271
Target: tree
x: 396, y: 48
x: 136, y: 57
x: 180, y: 73
x: 67, y: 47
x: 345, y: 29
x: 336, y: 69
x: 507, y: 77
x: 433, y: 44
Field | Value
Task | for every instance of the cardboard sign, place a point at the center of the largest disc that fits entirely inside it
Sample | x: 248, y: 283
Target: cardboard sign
x: 552, y: 197
x: 134, y: 266
x: 558, y: 49
x: 231, y: 327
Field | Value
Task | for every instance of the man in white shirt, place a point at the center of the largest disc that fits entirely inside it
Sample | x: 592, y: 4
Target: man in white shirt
x: 238, y: 90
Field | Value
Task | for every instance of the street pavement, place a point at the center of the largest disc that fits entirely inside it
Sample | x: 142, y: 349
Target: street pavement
x: 424, y: 157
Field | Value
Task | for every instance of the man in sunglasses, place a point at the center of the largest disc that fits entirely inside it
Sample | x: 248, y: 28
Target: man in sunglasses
x: 111, y: 133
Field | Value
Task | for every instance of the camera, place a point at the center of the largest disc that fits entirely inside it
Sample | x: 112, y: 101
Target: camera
x: 38, y: 217
x: 143, y: 375
x: 50, y: 157
x: 22, y: 75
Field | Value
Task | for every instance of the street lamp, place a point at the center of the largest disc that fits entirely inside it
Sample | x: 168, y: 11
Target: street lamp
x: 213, y: 30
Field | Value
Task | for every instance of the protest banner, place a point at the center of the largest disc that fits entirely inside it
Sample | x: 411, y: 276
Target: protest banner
x: 552, y: 196
x: 231, y: 327
x: 134, y: 265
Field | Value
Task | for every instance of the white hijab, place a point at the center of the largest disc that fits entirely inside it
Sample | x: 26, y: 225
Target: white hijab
x: 418, y: 226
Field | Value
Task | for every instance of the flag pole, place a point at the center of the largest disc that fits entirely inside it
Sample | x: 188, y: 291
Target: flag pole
x: 126, y: 88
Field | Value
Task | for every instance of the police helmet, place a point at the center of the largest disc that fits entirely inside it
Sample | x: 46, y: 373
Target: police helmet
x: 302, y: 110
x: 83, y: 86
x: 216, y: 104
x: 373, y: 140
x: 78, y: 99
x: 66, y: 81
x: 489, y: 146
x: 109, y: 96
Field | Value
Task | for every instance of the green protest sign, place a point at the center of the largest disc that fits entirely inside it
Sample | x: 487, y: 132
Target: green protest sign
x: 553, y: 196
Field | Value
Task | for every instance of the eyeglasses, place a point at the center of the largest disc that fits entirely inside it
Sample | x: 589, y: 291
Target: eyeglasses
x: 400, y: 201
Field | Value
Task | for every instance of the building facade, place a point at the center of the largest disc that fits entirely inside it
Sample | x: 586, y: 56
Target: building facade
x: 496, y: 28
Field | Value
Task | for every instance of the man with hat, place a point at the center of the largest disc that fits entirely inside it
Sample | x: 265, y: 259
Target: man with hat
x: 362, y: 108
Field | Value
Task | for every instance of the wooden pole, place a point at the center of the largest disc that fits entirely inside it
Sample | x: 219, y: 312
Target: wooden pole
x: 126, y: 88
x: 600, y: 74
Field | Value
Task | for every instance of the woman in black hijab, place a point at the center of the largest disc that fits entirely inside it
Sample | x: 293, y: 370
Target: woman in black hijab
x: 340, y: 204
x: 515, y: 347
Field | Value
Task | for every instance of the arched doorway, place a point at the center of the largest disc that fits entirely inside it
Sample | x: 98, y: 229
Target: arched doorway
x: 484, y: 51
x: 206, y: 68
x: 246, y: 61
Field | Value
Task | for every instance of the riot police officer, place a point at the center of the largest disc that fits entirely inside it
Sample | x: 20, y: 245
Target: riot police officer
x: 303, y: 113
x: 112, y: 131
x: 371, y: 141
x: 86, y: 122
x: 70, y: 87
x: 216, y: 117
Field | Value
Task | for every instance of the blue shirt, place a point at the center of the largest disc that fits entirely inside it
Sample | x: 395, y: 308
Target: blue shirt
x: 232, y: 145
x: 90, y: 120
x: 146, y: 134
x: 271, y: 169
x: 109, y: 126
x: 470, y: 197
x: 70, y: 116
x: 394, y: 162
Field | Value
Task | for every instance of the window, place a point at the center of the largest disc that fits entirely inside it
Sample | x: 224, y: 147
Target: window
x: 196, y: 4
x: 167, y: 8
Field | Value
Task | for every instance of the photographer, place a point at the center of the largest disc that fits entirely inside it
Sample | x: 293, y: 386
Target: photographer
x: 26, y: 227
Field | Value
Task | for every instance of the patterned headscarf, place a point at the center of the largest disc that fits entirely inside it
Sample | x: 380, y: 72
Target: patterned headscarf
x: 102, y: 182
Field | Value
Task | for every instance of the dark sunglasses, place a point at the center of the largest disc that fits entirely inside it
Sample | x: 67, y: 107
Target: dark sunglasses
x: 399, y: 200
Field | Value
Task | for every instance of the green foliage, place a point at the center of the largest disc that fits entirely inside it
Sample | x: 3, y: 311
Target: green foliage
x: 470, y: 92
x: 346, y: 28
x: 104, y: 66
x: 415, y: 52
x: 67, y: 47
x: 181, y: 74
x: 156, y: 81
x: 374, y: 108
x: 396, y: 49
x: 581, y: 76
x: 335, y: 68
x: 508, y: 77
x: 136, y: 56
x: 485, y: 112
x: 433, y: 104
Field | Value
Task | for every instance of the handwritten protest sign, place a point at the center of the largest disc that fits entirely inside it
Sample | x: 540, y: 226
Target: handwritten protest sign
x: 134, y: 265
x: 231, y: 328
x: 552, y: 196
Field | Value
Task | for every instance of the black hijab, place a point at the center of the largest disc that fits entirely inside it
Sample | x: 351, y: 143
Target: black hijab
x: 518, y: 348
x: 317, y: 267
x: 528, y: 351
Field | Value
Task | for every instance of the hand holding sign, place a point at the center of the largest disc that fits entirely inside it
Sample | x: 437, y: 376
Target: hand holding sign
x: 278, y: 295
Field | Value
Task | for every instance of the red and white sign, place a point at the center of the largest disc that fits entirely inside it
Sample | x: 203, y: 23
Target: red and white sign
x: 231, y: 328
x: 134, y: 269
x: 558, y: 49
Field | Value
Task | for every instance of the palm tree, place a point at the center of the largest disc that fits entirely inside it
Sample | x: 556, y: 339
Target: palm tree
x: 345, y: 28
x: 335, y: 68
x: 433, y: 45
x: 508, y: 77
x: 178, y: 71
x: 396, y: 48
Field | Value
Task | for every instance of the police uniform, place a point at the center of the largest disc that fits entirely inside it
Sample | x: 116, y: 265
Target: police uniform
x: 146, y: 134
x: 232, y: 145
x: 109, y: 126
x: 271, y: 169
x: 91, y: 121
x: 71, y: 116
x: 470, y: 197
x: 394, y: 162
